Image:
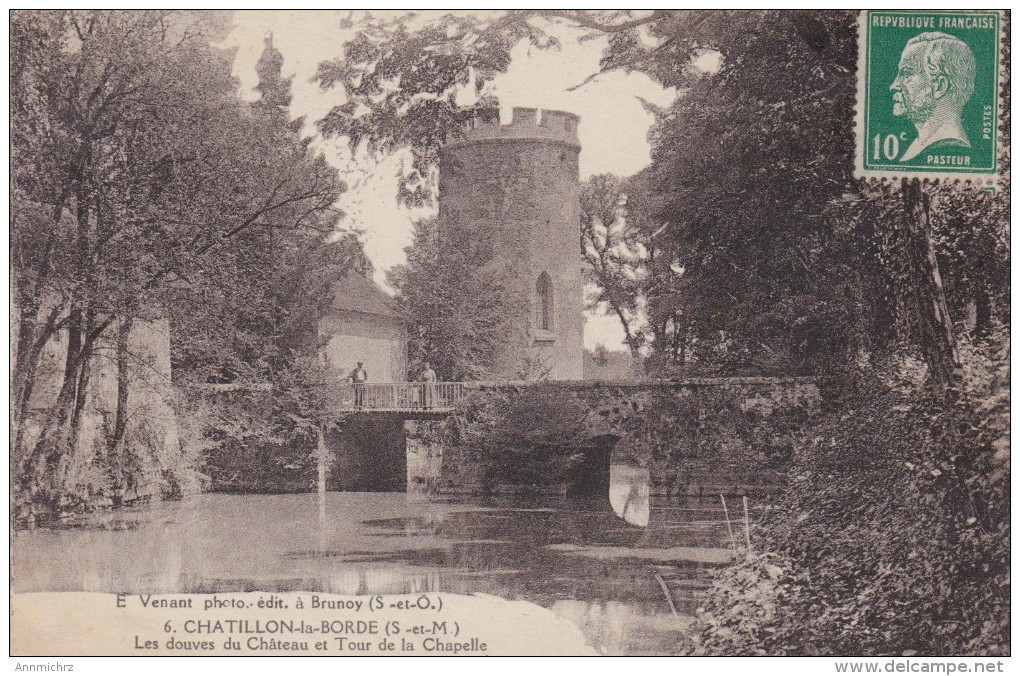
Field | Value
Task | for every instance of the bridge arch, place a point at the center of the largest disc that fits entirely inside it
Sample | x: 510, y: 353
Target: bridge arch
x: 591, y: 477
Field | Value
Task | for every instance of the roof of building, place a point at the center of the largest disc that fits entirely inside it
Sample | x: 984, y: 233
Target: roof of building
x: 357, y: 293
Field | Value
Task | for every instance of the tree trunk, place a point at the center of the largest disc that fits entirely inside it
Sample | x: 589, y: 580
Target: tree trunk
x: 74, y: 337
x: 983, y: 314
x: 84, y: 372
x: 37, y: 467
x: 935, y: 328
x: 116, y: 459
x: 31, y: 341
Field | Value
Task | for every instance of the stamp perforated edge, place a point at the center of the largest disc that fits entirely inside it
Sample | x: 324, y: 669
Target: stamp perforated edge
x: 860, y: 143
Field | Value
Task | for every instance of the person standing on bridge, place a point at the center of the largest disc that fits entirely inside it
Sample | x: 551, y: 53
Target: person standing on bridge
x: 429, y: 376
x: 358, y: 378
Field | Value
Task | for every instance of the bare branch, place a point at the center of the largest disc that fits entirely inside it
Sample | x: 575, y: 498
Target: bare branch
x: 585, y: 20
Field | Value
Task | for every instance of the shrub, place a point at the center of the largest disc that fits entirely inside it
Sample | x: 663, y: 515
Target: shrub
x: 893, y: 537
x: 524, y: 436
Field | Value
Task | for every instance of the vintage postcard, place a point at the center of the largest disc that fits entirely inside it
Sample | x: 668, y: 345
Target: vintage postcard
x: 510, y: 333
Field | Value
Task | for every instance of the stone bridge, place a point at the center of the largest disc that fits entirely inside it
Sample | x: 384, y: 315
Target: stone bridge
x: 696, y: 436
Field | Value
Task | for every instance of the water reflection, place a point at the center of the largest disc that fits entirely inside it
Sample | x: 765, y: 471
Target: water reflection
x: 618, y: 629
x: 629, y: 493
x: 576, y: 557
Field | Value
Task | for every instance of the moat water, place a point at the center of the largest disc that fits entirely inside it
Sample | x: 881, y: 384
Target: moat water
x: 627, y: 569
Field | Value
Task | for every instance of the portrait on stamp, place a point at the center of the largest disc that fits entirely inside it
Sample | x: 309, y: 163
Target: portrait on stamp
x: 934, y: 82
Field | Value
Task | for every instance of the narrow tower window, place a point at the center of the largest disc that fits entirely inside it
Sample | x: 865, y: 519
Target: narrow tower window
x: 544, y: 302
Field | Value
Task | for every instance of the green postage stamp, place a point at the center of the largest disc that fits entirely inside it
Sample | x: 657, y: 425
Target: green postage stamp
x: 928, y: 95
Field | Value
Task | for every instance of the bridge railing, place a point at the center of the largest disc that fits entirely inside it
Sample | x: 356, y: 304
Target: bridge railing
x: 400, y: 396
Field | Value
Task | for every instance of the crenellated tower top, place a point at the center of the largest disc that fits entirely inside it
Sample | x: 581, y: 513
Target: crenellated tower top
x: 527, y: 124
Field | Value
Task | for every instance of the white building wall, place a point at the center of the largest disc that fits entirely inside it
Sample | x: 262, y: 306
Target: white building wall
x: 379, y: 342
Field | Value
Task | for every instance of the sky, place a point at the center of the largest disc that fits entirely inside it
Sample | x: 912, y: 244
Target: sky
x: 613, y: 128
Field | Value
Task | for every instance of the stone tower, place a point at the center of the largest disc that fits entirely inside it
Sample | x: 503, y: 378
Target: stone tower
x: 513, y: 192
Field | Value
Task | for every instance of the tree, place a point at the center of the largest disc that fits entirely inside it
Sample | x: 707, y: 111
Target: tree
x: 253, y: 324
x: 765, y: 235
x: 457, y: 302
x: 142, y: 170
x: 614, y: 254
x: 749, y: 273
x: 274, y: 89
x: 401, y: 84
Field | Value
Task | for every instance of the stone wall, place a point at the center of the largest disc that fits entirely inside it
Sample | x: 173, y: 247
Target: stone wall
x: 697, y: 436
x: 424, y: 455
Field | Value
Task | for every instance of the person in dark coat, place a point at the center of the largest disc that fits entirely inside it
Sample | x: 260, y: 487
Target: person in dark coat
x: 358, y: 378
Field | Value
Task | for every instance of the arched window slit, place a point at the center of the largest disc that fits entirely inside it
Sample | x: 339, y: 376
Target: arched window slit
x: 544, y: 303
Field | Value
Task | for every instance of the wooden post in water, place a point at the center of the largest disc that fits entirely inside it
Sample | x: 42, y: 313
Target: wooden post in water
x: 322, y: 456
x: 729, y: 527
